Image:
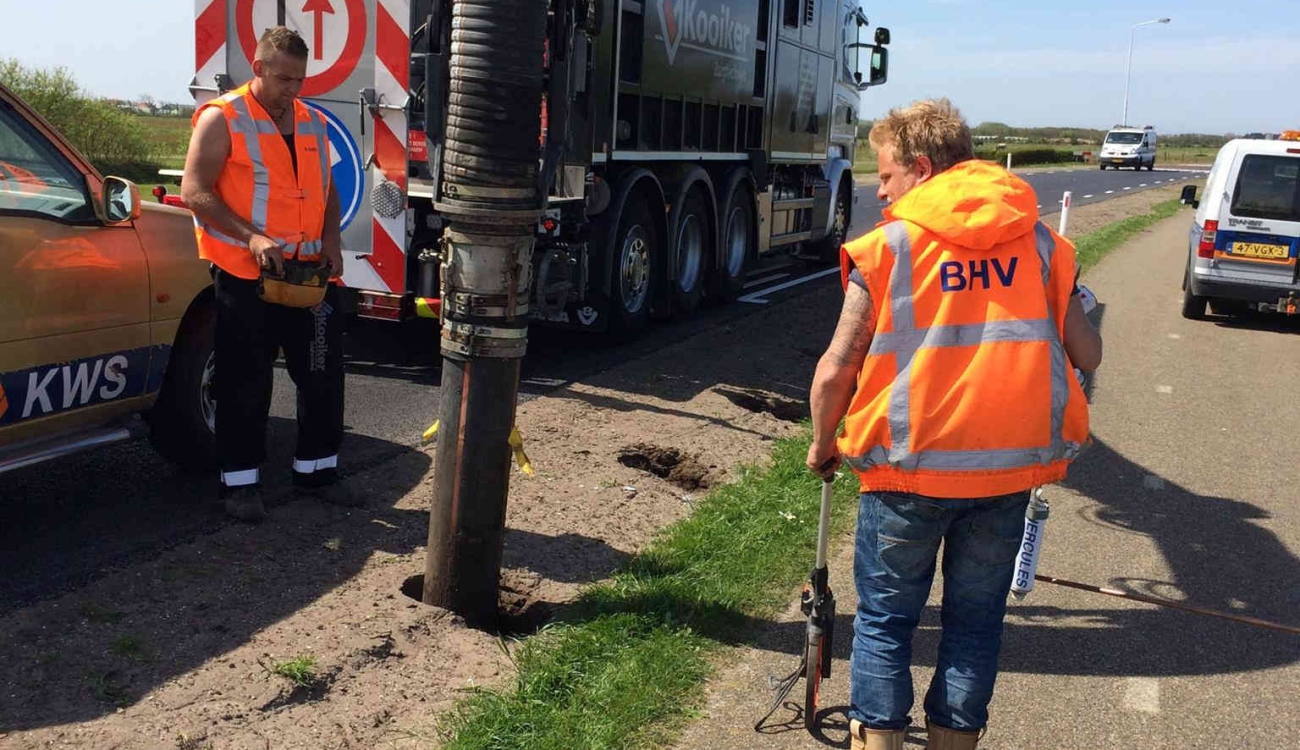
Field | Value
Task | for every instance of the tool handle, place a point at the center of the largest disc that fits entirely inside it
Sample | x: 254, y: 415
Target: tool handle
x: 824, y: 522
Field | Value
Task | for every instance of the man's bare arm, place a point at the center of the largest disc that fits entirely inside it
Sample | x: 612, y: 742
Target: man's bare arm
x: 207, y: 155
x: 209, y: 149
x: 1082, y: 341
x: 837, y: 371
x: 332, y: 233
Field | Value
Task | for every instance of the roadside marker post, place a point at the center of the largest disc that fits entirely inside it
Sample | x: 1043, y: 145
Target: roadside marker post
x: 1065, y: 213
x: 1008, y: 161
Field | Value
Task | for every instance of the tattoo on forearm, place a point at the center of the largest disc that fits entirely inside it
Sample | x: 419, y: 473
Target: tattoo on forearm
x: 856, y: 326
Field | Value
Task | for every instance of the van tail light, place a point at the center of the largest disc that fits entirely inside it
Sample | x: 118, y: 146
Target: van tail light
x: 1208, y: 235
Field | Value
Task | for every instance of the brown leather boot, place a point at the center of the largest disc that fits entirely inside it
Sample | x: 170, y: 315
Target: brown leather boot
x: 874, y: 739
x: 942, y: 738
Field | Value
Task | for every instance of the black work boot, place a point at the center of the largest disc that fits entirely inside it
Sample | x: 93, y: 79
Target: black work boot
x: 244, y: 503
x: 327, y: 486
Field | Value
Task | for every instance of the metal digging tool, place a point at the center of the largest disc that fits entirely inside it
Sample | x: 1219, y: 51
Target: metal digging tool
x: 818, y: 604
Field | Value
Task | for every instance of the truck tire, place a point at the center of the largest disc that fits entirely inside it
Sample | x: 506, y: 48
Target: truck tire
x: 739, y: 241
x: 827, y: 249
x: 692, y: 247
x: 183, y: 421
x: 633, y: 258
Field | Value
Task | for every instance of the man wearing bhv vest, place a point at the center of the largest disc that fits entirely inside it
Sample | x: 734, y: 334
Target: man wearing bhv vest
x: 949, y: 368
x: 266, y: 214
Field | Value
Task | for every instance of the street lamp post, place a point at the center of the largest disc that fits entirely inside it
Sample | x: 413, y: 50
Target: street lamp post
x: 1129, y: 68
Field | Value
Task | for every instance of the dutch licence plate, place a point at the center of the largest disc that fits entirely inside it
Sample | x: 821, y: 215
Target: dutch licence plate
x: 1118, y: 161
x: 1260, y: 250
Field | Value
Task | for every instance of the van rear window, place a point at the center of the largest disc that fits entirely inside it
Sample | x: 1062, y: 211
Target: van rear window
x: 1266, y: 188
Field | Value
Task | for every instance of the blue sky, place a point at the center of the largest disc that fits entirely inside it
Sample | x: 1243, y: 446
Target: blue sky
x: 1217, y: 67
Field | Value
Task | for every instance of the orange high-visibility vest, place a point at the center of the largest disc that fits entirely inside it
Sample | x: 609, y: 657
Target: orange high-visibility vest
x: 966, y: 390
x: 259, y: 184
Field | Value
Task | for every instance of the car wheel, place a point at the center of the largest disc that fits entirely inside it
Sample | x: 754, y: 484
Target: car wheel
x: 183, y: 421
x: 1193, y: 306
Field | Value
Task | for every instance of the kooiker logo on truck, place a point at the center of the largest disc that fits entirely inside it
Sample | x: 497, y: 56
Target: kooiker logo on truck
x: 716, y: 33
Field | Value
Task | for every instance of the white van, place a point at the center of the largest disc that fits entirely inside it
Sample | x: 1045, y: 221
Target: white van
x: 1243, y: 242
x: 1129, y: 147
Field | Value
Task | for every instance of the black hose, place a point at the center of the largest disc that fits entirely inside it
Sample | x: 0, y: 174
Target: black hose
x: 494, y: 109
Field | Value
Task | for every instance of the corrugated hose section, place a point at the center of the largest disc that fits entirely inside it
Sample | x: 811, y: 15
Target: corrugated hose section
x: 494, y: 105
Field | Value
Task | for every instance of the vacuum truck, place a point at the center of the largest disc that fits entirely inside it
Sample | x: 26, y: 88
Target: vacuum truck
x: 685, y: 144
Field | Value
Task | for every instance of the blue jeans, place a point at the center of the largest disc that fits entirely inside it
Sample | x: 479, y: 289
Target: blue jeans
x: 897, y: 545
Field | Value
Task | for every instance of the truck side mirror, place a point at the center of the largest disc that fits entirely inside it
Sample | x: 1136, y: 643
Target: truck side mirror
x: 878, y: 72
x: 882, y: 36
x: 1188, y: 197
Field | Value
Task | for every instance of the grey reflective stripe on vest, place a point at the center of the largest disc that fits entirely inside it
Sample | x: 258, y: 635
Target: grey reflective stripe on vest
x: 1046, y: 246
x: 317, y: 129
x: 216, y: 234
x: 251, y: 128
x: 311, y: 247
x: 905, y: 340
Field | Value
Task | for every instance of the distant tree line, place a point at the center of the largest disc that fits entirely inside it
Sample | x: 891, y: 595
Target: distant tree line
x: 1074, y: 136
x: 113, y: 140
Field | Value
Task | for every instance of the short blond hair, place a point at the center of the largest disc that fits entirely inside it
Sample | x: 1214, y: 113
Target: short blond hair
x: 281, y: 39
x: 930, y: 127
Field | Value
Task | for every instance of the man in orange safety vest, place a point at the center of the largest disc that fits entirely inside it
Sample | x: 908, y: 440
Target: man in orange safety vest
x: 952, y: 369
x: 257, y: 178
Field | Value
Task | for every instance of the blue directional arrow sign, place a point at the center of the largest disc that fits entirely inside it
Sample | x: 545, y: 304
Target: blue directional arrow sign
x: 345, y: 165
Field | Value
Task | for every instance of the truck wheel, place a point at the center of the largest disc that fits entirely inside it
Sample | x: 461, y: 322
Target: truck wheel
x: 827, y: 249
x: 633, y: 257
x: 738, y: 241
x: 692, y: 250
x: 1103, y: 167
x: 183, y: 420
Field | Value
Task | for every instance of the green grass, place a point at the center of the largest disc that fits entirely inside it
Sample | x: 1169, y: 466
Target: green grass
x: 627, y: 668
x: 1092, y: 247
x: 300, y: 670
x: 169, y: 136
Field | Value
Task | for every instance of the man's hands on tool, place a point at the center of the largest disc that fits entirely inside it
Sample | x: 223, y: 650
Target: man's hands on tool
x: 823, y: 460
x: 331, y: 256
x: 267, y: 253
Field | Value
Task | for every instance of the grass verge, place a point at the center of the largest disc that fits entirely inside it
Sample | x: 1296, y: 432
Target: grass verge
x: 1092, y: 247
x: 626, y: 668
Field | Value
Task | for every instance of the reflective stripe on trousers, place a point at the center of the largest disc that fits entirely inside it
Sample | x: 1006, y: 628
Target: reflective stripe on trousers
x: 906, y: 340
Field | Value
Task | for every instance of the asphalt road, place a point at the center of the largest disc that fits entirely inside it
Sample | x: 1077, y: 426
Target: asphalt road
x: 1187, y: 494
x: 65, y: 523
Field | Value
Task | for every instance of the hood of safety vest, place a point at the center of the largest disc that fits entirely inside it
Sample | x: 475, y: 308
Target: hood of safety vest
x: 974, y: 204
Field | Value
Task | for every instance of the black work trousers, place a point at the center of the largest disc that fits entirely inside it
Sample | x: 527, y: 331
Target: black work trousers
x: 249, y: 334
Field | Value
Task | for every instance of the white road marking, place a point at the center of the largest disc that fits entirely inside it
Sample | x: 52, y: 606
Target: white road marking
x: 1108, y: 192
x: 1142, y: 694
x: 1142, y: 184
x: 1176, y: 336
x: 1128, y: 188
x: 1087, y: 196
x: 1166, y: 389
x: 765, y: 279
x: 757, y: 297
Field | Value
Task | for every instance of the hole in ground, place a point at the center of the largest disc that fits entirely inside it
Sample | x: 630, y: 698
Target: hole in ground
x: 518, y: 611
x: 668, y: 463
x: 784, y: 409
